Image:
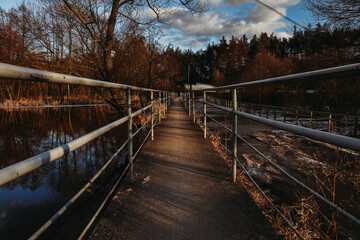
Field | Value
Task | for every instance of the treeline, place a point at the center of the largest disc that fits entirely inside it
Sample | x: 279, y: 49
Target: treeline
x: 48, y: 36
x: 242, y: 59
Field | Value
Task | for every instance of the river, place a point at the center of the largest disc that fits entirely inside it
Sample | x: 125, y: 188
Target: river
x: 29, y: 201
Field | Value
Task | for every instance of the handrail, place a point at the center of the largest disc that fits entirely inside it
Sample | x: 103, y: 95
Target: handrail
x: 302, y: 110
x: 339, y: 140
x: 345, y: 213
x: 86, y: 229
x: 86, y: 186
x: 326, y: 137
x: 290, y: 176
x: 21, y: 168
x: 258, y: 187
x: 248, y: 174
x: 77, y: 195
x: 8, y: 71
x: 17, y: 170
x: 328, y: 73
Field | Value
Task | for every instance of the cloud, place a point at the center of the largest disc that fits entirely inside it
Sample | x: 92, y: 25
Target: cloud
x: 261, y: 13
x: 283, y: 35
x: 196, y: 30
x: 189, y: 42
x: 215, y: 3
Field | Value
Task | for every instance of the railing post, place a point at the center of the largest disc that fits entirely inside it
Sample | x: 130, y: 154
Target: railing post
x: 130, y: 144
x: 260, y: 111
x: 297, y: 117
x: 152, y: 115
x: 355, y: 126
x: 346, y: 123
x: 275, y: 114
x: 164, y: 96
x: 311, y: 119
x: 204, y: 114
x: 185, y: 99
x: 235, y: 134
x: 193, y: 106
x: 330, y: 122
x: 166, y: 102
x: 189, y: 104
x: 160, y: 93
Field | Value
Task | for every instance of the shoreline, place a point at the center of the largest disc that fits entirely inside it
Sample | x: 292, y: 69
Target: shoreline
x: 55, y: 106
x: 42, y: 102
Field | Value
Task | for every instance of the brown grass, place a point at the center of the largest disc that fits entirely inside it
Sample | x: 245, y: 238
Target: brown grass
x: 303, y: 215
x: 49, y: 101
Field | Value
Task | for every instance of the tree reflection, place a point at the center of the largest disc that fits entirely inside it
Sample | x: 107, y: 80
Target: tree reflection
x: 25, y: 133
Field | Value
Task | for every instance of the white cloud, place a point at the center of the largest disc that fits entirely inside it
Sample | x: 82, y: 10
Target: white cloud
x: 260, y: 14
x: 283, y: 35
x: 196, y: 30
x: 215, y: 3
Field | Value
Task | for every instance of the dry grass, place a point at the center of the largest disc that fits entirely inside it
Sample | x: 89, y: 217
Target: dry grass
x: 24, y: 102
x: 49, y: 101
x: 304, y: 215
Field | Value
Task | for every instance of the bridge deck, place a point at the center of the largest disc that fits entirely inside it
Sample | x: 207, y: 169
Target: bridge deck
x: 182, y: 190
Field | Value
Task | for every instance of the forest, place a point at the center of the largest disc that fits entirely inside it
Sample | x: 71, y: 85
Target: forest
x: 47, y: 37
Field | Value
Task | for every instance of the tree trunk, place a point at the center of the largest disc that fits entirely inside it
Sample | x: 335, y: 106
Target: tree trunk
x: 108, y: 62
x: 109, y: 39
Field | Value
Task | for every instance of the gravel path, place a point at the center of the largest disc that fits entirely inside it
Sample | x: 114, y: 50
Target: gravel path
x: 182, y: 190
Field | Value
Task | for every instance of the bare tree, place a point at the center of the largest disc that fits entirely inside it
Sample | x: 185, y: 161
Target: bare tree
x: 99, y: 20
x: 340, y: 13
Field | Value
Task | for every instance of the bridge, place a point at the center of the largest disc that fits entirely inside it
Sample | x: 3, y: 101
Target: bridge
x: 178, y: 186
x: 182, y: 190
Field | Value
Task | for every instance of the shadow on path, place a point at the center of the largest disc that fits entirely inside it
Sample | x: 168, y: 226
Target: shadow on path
x: 182, y: 190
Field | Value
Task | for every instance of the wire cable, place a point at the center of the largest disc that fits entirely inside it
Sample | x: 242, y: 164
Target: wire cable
x: 342, y: 211
x: 260, y: 190
x: 279, y: 13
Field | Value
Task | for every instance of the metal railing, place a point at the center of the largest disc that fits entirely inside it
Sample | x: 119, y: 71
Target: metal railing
x: 189, y: 100
x: 339, y: 123
x: 17, y: 170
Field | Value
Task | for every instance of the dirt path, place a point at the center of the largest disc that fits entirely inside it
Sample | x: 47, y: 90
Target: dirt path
x: 182, y: 190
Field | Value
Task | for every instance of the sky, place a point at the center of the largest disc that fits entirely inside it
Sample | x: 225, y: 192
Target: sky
x: 224, y: 18
x: 233, y: 18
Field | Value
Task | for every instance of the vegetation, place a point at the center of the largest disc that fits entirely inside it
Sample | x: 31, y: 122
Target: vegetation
x: 79, y: 38
x: 264, y: 56
x: 344, y: 13
x: 62, y: 40
x: 109, y: 40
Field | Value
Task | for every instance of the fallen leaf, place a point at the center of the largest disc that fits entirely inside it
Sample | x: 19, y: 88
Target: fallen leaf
x: 146, y: 179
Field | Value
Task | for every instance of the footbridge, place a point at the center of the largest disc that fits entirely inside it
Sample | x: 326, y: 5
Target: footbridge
x: 181, y: 181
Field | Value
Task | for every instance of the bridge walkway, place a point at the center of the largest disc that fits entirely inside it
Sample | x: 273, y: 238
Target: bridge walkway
x: 182, y: 190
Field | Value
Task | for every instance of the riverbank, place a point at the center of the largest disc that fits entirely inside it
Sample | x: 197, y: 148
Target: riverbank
x: 80, y: 100
x: 332, y: 171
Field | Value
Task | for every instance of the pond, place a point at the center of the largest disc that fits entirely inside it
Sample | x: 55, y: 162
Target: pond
x: 29, y: 201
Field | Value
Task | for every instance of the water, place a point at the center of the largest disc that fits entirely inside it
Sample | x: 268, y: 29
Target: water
x: 29, y: 201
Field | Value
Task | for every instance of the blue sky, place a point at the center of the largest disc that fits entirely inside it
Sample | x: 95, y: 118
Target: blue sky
x: 233, y: 18
x: 224, y: 18
x: 7, y: 4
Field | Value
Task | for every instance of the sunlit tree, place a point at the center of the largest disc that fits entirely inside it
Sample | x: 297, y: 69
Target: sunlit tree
x: 99, y: 21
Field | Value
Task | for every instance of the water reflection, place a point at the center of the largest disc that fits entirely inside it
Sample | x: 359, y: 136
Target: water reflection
x: 27, y: 202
